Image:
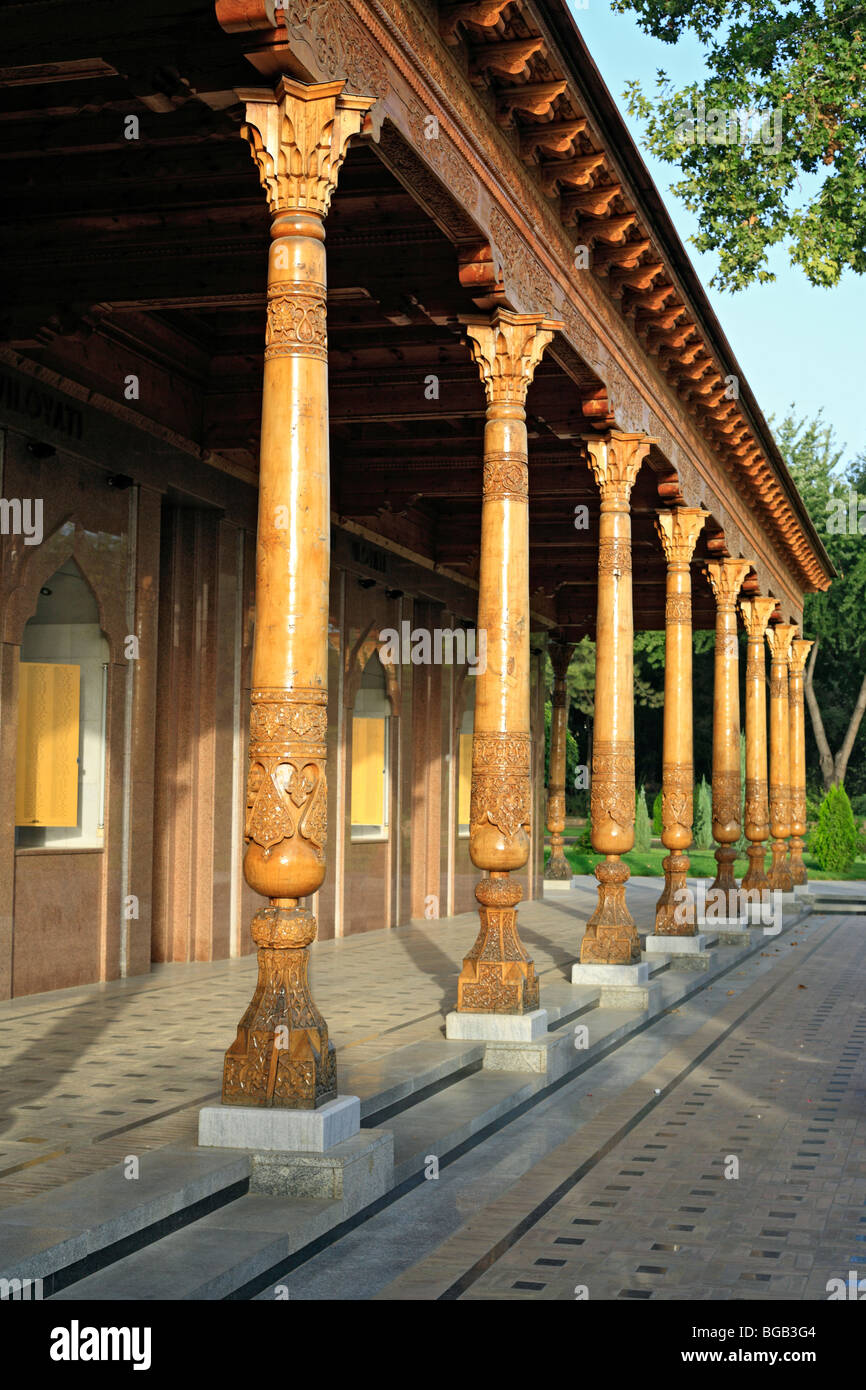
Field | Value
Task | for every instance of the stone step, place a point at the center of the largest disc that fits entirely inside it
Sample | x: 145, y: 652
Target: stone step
x: 159, y: 1237
x: 215, y: 1256
x: 65, y: 1233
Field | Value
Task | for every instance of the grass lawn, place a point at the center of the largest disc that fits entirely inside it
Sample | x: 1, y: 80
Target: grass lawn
x: 703, y: 864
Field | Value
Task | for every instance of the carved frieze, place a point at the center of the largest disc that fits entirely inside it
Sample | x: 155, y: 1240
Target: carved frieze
x: 286, y: 789
x: 506, y: 477
x: 296, y: 323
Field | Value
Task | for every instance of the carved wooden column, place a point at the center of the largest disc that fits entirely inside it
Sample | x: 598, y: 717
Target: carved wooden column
x: 779, y: 640
x: 282, y: 1056
x: 498, y: 976
x: 726, y: 577
x: 558, y: 866
x: 797, y: 737
x: 678, y: 532
x: 756, y: 614
x: 611, y: 936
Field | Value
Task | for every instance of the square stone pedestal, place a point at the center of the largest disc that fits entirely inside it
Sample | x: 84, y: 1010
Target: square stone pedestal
x: 468, y: 1027
x: 686, y: 952
x: 557, y: 885
x: 622, y: 986
x: 275, y: 1128
x: 355, y: 1172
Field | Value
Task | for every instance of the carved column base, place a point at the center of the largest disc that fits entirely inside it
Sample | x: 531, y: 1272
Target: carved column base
x: 498, y: 977
x: 611, y: 936
x: 755, y: 879
x: 795, y: 864
x: 724, y: 881
x: 675, y: 913
x: 558, y: 866
x: 281, y: 1056
x: 779, y: 878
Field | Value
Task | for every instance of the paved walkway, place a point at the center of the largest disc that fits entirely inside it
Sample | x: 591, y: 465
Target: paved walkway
x: 90, y: 1075
x: 720, y: 1154
x: 621, y: 1182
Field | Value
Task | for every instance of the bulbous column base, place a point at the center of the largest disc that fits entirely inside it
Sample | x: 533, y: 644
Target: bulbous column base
x: 795, y: 865
x: 498, y: 977
x: 779, y: 878
x: 611, y: 936
x: 724, y: 881
x: 755, y: 879
x: 558, y: 866
x: 675, y: 913
x: 281, y: 1055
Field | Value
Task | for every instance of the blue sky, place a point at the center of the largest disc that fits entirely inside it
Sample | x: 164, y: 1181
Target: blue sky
x: 796, y: 344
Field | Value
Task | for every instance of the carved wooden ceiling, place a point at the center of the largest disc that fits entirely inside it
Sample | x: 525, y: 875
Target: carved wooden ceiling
x: 148, y: 255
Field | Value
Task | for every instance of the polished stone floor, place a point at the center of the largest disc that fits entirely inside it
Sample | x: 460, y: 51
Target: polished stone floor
x: 718, y: 1153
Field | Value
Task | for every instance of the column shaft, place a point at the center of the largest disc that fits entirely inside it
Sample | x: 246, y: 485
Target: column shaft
x: 756, y: 614
x: 797, y: 737
x: 678, y: 532
x: 726, y: 577
x: 558, y: 866
x: 779, y: 639
x: 611, y: 936
x: 498, y: 975
x: 282, y: 1055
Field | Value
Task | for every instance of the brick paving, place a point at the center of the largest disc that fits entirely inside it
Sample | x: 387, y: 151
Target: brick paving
x: 746, y: 1179
x: 92, y: 1074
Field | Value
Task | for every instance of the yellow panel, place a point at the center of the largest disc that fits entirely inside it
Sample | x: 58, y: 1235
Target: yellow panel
x: 46, y: 773
x: 464, y: 778
x: 368, y: 767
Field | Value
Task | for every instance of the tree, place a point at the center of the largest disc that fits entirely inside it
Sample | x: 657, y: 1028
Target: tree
x: 835, y: 684
x: 782, y: 99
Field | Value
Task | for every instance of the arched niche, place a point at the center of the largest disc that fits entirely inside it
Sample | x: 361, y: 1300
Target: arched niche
x: 62, y: 713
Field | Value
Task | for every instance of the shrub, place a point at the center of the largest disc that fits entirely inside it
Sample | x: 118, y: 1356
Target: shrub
x: 657, y: 814
x: 703, y: 823
x: 584, y: 841
x: 642, y: 823
x: 835, y: 841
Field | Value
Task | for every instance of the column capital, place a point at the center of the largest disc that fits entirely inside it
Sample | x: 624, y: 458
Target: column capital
x: 798, y: 654
x: 726, y: 579
x: 779, y: 638
x: 615, y: 459
x: 560, y: 654
x: 507, y: 348
x: 298, y: 136
x: 678, y: 532
x: 756, y: 615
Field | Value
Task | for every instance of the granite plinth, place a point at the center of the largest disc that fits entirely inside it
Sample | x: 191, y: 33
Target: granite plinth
x: 270, y: 1128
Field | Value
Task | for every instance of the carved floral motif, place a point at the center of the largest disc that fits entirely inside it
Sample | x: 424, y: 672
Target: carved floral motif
x: 296, y: 323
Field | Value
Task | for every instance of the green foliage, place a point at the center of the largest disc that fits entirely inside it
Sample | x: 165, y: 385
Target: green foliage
x: 642, y: 823
x: 584, y: 839
x: 835, y: 842
x: 801, y: 181
x: 703, y: 815
x: 657, y: 814
x: 835, y: 496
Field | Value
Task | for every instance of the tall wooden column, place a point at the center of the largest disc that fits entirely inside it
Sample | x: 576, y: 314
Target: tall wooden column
x: 282, y: 1055
x: 756, y: 614
x: 726, y: 578
x: 611, y: 936
x: 498, y: 976
x: 779, y: 640
x: 558, y: 866
x: 797, y: 738
x: 678, y: 532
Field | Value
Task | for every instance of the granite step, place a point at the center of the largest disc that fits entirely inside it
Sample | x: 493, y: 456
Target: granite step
x: 66, y: 1233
